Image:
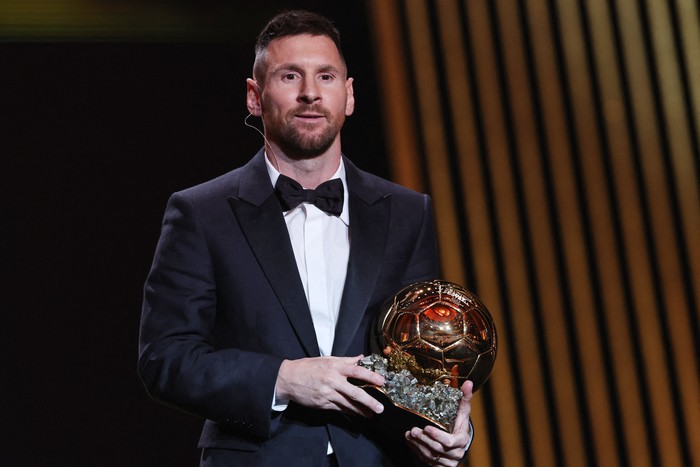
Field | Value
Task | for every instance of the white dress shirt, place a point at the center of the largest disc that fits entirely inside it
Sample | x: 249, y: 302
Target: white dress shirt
x: 321, y: 245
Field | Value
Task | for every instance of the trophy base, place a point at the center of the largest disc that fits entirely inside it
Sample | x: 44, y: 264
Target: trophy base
x: 408, y: 403
x: 397, y: 418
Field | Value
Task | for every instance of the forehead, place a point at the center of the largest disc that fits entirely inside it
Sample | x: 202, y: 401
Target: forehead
x: 303, y: 51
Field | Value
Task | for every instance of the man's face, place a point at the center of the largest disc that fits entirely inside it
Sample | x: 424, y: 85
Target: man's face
x: 305, y: 95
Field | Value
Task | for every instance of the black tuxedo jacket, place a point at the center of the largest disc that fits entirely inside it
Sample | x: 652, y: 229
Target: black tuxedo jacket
x: 224, y: 306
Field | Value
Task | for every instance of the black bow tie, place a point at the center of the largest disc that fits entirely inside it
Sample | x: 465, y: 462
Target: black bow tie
x: 328, y: 196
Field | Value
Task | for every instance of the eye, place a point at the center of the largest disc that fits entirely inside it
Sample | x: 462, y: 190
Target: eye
x: 289, y: 76
x: 326, y: 77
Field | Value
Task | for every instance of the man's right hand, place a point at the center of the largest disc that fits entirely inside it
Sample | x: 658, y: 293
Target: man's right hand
x: 322, y: 382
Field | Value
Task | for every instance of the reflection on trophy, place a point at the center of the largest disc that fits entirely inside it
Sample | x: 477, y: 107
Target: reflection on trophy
x: 432, y: 336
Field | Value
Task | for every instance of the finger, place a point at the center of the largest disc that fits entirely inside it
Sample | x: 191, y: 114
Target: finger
x: 358, y: 397
x: 448, y: 446
x: 359, y: 408
x: 443, y: 441
x: 420, y: 449
x: 464, y: 408
x: 430, y: 442
x: 364, y: 375
x: 460, y: 431
x: 351, y: 407
x: 353, y: 360
x: 428, y: 455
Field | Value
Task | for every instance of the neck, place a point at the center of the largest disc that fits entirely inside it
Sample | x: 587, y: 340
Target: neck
x: 308, y: 172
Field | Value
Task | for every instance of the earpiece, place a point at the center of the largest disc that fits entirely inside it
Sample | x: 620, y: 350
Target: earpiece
x: 268, y: 146
x: 245, y: 122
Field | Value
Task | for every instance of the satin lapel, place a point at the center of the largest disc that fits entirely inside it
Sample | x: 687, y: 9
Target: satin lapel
x: 369, y: 224
x: 260, y: 217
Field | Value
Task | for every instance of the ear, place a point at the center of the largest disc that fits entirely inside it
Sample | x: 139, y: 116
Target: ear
x: 350, y: 100
x: 253, y: 97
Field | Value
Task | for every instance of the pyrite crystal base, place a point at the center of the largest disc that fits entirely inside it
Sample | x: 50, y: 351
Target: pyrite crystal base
x: 407, y: 402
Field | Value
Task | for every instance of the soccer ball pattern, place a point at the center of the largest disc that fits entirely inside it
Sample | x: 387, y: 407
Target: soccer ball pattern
x: 444, y: 327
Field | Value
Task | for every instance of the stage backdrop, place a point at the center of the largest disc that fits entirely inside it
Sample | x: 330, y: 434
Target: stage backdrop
x: 559, y: 139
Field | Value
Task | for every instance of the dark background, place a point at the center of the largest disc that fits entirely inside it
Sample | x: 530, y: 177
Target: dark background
x: 95, y: 136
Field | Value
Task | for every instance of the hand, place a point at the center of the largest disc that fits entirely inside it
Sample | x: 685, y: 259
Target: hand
x: 437, y: 447
x: 322, y: 383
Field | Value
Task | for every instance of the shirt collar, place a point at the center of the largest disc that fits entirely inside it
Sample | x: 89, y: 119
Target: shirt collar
x: 340, y: 173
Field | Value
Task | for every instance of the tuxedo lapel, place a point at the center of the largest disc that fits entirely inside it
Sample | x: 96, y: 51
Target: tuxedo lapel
x: 369, y: 222
x: 260, y: 218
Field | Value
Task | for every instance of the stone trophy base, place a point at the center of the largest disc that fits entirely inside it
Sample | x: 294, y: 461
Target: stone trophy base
x: 408, y: 403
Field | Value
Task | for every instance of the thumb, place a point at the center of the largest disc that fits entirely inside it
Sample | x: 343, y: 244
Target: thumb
x: 464, y: 409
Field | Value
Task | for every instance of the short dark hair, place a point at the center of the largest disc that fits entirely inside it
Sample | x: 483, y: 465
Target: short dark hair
x: 293, y: 23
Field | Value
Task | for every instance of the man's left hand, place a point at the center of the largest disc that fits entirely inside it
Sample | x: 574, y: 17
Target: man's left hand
x: 437, y: 447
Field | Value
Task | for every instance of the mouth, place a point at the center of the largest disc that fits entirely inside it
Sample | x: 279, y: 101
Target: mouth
x: 309, y: 114
x: 309, y: 117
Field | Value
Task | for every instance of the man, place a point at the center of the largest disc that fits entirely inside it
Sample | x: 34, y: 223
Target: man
x: 258, y: 307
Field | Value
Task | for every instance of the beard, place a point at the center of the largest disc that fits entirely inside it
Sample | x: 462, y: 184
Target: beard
x: 301, y: 140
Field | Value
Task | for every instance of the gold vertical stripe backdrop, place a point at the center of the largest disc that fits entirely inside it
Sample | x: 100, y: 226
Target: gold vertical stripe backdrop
x: 400, y: 128
x: 571, y: 129
x: 621, y: 348
x: 450, y: 37
x: 476, y: 210
x: 506, y: 230
x: 433, y: 130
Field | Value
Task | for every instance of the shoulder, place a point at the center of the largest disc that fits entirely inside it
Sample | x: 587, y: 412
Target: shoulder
x: 228, y: 185
x: 221, y: 185
x: 372, y: 187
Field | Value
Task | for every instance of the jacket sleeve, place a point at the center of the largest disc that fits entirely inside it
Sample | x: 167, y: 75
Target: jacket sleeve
x: 178, y: 361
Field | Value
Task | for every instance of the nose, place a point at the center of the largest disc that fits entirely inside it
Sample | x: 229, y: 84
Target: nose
x: 309, y: 91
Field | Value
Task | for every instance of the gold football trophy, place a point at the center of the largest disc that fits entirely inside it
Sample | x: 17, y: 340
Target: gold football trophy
x: 431, y: 337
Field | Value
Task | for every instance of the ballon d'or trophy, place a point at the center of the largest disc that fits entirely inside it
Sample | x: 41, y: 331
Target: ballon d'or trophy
x: 431, y: 337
